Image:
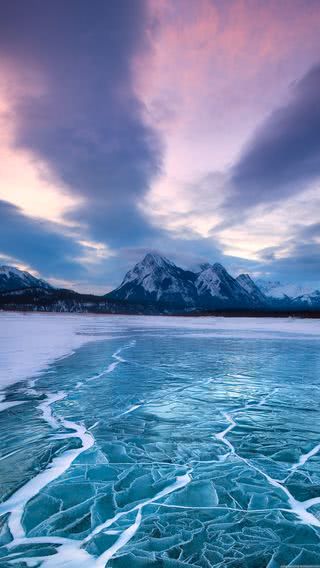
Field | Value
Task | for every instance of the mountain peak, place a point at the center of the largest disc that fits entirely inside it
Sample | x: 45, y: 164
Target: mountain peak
x: 12, y: 278
x: 204, y: 265
x: 216, y: 288
x: 220, y: 270
x: 152, y: 263
x: 153, y: 258
x: 7, y: 270
x: 251, y: 288
x: 217, y: 267
x: 156, y: 279
x: 213, y: 270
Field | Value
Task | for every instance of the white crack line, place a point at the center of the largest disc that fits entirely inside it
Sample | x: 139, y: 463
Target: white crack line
x: 298, y: 507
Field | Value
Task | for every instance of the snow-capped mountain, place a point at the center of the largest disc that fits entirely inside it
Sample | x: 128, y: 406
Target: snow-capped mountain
x: 215, y: 288
x: 311, y: 300
x: 157, y: 280
x: 291, y: 296
x: 12, y: 278
x: 251, y: 288
x: 279, y: 291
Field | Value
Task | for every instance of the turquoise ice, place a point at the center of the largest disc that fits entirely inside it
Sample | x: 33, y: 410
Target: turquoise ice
x: 166, y: 442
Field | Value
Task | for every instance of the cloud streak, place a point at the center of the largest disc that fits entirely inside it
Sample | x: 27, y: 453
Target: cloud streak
x: 283, y: 156
x: 86, y: 121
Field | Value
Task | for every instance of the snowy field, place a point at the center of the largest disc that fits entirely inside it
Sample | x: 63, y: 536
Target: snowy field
x: 157, y: 441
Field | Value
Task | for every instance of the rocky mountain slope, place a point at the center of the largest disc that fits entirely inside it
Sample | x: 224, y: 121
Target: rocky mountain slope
x: 216, y: 288
x: 156, y: 280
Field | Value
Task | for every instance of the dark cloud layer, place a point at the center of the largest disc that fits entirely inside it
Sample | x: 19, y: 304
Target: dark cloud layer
x: 284, y: 154
x: 88, y: 124
x: 38, y: 244
x: 300, y: 265
x: 297, y: 259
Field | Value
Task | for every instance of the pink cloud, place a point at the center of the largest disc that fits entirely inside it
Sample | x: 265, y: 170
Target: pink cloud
x: 220, y: 57
x: 215, y: 71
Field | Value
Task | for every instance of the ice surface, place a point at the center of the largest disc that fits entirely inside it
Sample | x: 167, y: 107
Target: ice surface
x: 172, y: 442
x: 29, y: 342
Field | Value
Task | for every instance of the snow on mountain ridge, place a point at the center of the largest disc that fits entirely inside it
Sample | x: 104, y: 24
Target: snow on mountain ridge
x: 146, y: 267
x: 157, y: 282
x: 8, y: 271
x: 209, y: 281
x: 245, y: 281
x: 156, y: 278
x: 281, y: 291
x: 251, y: 288
x: 312, y: 299
x: 12, y: 278
x: 216, y: 287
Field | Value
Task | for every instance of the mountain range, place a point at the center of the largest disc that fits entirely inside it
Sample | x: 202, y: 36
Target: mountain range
x: 157, y: 285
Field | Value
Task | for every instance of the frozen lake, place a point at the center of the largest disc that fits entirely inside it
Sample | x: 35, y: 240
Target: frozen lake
x: 165, y: 442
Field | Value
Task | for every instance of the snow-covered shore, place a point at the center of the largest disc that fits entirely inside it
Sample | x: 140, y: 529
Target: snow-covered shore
x: 29, y: 342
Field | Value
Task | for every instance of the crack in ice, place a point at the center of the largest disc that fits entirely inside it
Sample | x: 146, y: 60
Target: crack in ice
x: 16, y: 503
x: 118, y: 359
x: 298, y: 507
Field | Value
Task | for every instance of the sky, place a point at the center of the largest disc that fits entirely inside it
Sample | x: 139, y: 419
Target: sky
x: 186, y: 127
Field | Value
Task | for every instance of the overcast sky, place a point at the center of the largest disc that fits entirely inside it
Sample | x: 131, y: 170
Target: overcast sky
x: 189, y: 127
